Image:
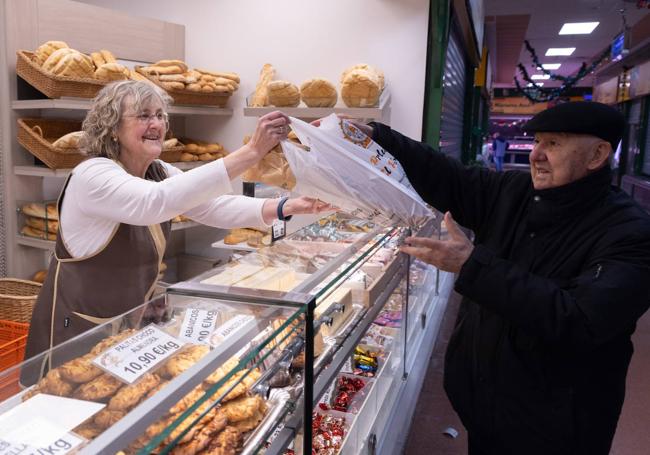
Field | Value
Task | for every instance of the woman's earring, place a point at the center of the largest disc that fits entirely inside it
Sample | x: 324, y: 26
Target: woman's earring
x: 114, y: 138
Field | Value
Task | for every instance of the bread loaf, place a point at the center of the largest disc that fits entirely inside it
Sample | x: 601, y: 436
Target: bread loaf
x: 46, y: 49
x: 172, y: 85
x: 318, y: 93
x: 112, y: 72
x: 365, y: 67
x: 169, y: 143
x: 185, y: 78
x: 55, y: 57
x: 157, y: 70
x: 260, y: 97
x: 135, y: 76
x: 108, y: 56
x: 196, y: 87
x: 41, y: 210
x: 37, y: 233
x: 69, y: 141
x: 360, y: 88
x: 232, y: 76
x: 98, y: 59
x: 172, y: 63
x: 40, y: 276
x: 71, y: 63
x: 51, y: 226
x: 283, y: 94
x: 189, y: 157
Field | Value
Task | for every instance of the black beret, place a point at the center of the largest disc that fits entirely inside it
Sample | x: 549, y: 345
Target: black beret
x: 580, y: 117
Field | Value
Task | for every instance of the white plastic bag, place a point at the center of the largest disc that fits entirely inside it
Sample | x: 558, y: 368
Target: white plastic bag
x: 336, y: 171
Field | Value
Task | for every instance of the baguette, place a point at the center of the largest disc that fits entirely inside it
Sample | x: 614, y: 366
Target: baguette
x: 261, y: 96
x: 231, y: 76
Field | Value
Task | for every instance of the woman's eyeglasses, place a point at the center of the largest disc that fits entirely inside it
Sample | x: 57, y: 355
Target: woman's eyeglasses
x: 146, y: 119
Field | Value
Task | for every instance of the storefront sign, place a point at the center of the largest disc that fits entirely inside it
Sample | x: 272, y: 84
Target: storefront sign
x: 198, y: 325
x: 138, y: 354
x: 516, y: 105
x: 42, y: 425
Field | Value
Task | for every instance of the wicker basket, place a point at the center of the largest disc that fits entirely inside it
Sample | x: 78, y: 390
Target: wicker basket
x: 37, y: 136
x: 186, y: 97
x: 17, y: 298
x: 52, y: 85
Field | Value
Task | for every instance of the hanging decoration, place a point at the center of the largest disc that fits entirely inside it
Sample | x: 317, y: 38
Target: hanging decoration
x: 536, y: 93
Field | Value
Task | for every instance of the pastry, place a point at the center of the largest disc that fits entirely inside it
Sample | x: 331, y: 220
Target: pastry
x: 283, y: 94
x: 112, y: 72
x: 241, y: 385
x: 69, y: 141
x: 184, y: 360
x: 318, y: 93
x: 80, y: 370
x: 261, y: 96
x: 226, y: 443
x: 42, y: 224
x: 242, y: 408
x: 37, y: 233
x: 250, y: 423
x: 203, y: 437
x: 46, y: 49
x: 88, y: 430
x: 40, y: 276
x: 171, y: 63
x: 222, y: 371
x: 129, y: 396
x: 99, y: 389
x: 110, y: 341
x: 107, y: 417
x: 54, y: 384
x: 41, y: 210
x: 360, y: 88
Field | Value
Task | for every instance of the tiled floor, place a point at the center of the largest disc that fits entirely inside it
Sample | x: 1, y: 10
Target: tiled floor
x: 433, y: 414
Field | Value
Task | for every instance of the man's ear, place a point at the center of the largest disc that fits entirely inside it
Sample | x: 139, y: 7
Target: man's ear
x: 599, y: 155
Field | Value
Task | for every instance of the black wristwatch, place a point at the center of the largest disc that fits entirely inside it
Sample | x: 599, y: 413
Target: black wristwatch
x: 281, y: 216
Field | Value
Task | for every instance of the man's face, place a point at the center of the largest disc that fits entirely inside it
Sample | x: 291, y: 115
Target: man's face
x: 559, y: 158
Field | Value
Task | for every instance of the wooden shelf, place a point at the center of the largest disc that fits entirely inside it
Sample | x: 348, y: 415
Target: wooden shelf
x: 42, y: 171
x: 371, y: 113
x: 80, y: 104
x: 35, y: 243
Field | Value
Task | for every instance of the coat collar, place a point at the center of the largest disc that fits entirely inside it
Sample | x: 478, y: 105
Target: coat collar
x: 553, y: 205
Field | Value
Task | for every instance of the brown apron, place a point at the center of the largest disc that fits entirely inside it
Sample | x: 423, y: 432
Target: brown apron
x: 80, y: 293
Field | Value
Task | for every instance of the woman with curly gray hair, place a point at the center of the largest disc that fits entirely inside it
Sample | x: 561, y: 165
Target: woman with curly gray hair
x: 116, y: 206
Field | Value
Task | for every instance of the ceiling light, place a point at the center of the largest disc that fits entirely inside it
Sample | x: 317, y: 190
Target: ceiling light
x: 539, y: 84
x: 542, y: 77
x: 553, y: 51
x: 551, y: 66
x: 578, y: 28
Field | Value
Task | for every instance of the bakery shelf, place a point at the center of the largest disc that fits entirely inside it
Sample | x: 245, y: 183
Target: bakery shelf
x: 35, y: 243
x: 374, y: 113
x: 77, y: 104
x: 42, y: 171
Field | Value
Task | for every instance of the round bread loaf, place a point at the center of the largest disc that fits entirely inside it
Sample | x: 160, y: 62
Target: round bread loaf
x: 112, y: 72
x: 364, y: 66
x: 318, y: 92
x: 283, y: 94
x: 360, y: 88
x: 46, y: 49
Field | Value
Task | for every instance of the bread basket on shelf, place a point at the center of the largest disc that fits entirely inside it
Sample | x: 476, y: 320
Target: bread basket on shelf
x: 172, y: 154
x: 17, y: 298
x: 187, y: 97
x: 37, y: 136
x: 51, y: 85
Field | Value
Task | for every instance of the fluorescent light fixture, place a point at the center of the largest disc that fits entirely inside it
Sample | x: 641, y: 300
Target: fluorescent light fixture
x: 578, y: 28
x: 554, y: 51
x: 542, y: 77
x: 539, y: 84
x: 551, y: 66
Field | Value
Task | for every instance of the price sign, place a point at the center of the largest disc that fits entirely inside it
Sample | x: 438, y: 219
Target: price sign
x: 231, y: 326
x: 38, y: 436
x: 138, y: 354
x: 279, y: 230
x: 198, y: 325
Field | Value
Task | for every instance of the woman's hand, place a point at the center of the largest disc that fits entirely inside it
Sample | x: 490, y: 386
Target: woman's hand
x: 294, y: 206
x: 271, y: 129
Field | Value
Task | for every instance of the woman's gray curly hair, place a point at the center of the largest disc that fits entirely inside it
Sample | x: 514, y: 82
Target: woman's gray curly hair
x: 103, y: 119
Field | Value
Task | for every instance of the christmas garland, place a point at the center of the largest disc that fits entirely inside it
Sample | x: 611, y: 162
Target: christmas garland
x: 538, y: 94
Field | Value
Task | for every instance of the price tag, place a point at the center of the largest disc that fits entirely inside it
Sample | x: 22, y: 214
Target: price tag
x: 231, y: 326
x: 138, y: 354
x: 279, y: 230
x: 65, y: 444
x: 198, y: 325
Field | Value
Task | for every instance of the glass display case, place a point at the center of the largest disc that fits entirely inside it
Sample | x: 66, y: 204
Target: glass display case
x: 295, y: 348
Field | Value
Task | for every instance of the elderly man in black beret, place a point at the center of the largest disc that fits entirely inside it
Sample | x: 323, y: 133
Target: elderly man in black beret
x: 553, y: 284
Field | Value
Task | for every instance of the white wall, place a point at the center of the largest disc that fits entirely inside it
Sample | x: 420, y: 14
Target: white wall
x: 302, y: 39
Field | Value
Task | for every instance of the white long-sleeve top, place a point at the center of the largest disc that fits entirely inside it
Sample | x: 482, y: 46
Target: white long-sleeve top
x: 101, y: 194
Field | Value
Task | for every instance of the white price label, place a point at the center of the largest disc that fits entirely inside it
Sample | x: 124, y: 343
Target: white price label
x: 138, y: 354
x: 279, y: 229
x: 231, y: 326
x: 198, y: 325
x: 36, y: 437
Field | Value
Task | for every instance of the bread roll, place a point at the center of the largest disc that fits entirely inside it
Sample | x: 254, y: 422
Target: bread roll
x: 112, y: 72
x: 283, y: 94
x: 40, y: 210
x: 232, y: 76
x: 98, y: 59
x: 135, y: 76
x: 42, y: 224
x: 157, y: 70
x: 360, y: 88
x: 184, y: 78
x: 196, y: 87
x: 171, y: 63
x: 205, y: 157
x: 37, y: 233
x: 365, y: 67
x: 173, y: 85
x: 40, y: 276
x: 318, y: 93
x: 108, y: 56
x: 169, y: 143
x: 260, y: 97
x: 69, y: 141
x: 189, y: 157
x: 46, y: 49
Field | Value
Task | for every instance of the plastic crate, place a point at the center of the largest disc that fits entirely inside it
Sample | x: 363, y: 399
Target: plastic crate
x: 13, y: 338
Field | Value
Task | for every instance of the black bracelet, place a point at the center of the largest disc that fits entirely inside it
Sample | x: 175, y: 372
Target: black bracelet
x: 281, y: 216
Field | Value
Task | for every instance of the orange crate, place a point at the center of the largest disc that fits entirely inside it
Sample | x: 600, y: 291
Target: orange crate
x: 13, y: 338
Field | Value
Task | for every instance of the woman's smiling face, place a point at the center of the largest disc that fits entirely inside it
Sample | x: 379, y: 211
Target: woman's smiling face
x: 142, y: 129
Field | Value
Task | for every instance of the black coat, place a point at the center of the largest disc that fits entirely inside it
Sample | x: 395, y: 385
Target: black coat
x: 552, y: 292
